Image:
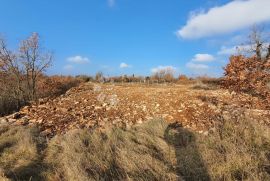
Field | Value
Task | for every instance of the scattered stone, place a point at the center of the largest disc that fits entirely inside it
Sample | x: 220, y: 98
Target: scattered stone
x: 98, y: 106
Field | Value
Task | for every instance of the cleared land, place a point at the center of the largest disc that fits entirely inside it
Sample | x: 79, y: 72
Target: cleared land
x: 171, y: 132
x: 198, y: 107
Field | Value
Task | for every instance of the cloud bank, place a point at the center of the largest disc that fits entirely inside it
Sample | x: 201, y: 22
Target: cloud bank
x: 230, y: 17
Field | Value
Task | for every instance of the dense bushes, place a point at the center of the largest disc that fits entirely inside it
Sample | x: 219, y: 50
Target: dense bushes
x: 248, y: 74
x: 47, y: 86
x: 51, y: 86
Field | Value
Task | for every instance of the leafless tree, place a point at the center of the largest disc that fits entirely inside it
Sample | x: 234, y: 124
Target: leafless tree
x: 11, y: 73
x: 164, y: 75
x: 258, y: 43
x: 19, y: 70
x: 34, y: 60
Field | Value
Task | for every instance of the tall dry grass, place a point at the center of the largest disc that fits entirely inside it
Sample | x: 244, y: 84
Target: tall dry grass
x: 20, y: 157
x: 238, y: 149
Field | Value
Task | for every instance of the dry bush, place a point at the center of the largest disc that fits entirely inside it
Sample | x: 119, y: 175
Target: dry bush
x: 85, y: 78
x: 125, y: 78
x: 163, y: 74
x: 201, y: 82
x: 206, y: 83
x: 250, y: 75
x: 11, y: 98
x: 52, y: 86
x: 247, y: 74
x: 47, y: 86
x: 200, y: 85
x: 210, y: 80
x: 183, y: 78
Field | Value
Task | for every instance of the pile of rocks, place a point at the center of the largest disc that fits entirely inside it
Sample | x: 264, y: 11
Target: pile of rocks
x: 97, y: 106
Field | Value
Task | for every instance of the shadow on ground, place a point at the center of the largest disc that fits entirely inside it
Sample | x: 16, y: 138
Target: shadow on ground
x: 190, y: 165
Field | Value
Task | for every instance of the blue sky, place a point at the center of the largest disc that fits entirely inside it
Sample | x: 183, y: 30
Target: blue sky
x: 134, y: 36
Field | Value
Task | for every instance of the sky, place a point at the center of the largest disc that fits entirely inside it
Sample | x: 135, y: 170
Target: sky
x: 117, y: 37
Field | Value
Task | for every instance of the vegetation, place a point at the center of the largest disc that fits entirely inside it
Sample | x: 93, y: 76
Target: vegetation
x: 250, y: 74
x: 47, y: 86
x: 237, y: 150
x: 22, y: 76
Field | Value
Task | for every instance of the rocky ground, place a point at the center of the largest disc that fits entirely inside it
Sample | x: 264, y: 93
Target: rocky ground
x: 100, y: 105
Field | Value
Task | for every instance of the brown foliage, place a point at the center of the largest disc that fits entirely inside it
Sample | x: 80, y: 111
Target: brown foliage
x: 249, y: 75
x: 47, y: 86
x: 55, y: 85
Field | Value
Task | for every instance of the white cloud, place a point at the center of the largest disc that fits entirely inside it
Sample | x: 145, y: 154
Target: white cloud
x: 111, y: 3
x: 124, y: 65
x: 230, y: 17
x: 197, y: 67
x: 78, y: 59
x: 68, y: 67
x: 160, y: 68
x: 203, y: 58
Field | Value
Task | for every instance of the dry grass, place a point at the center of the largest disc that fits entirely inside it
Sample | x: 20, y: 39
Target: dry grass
x: 137, y: 154
x: 236, y: 150
x: 19, y: 153
x: 239, y: 150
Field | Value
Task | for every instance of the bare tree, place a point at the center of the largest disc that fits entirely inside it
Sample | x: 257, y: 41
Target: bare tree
x: 258, y: 43
x: 20, y: 70
x: 35, y: 61
x: 164, y: 74
x: 11, y: 73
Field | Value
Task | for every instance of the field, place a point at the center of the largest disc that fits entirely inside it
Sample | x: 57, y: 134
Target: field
x: 135, y: 91
x: 136, y: 131
x: 196, y: 106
